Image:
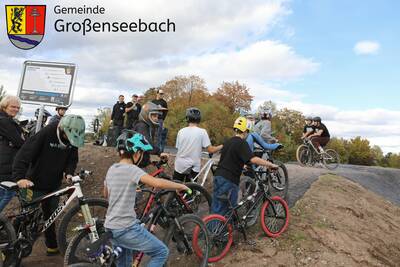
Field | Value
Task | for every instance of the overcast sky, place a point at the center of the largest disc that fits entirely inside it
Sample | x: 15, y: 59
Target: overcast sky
x: 330, y: 58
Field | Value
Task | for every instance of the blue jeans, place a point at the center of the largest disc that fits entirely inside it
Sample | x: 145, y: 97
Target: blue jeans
x: 161, y: 136
x: 5, y: 197
x: 136, y: 237
x: 221, y: 187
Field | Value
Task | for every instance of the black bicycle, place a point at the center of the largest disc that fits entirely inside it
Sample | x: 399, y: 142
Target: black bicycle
x: 19, y: 232
x: 308, y: 155
x: 179, y: 236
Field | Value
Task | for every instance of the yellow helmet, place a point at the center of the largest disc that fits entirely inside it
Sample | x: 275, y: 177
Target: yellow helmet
x: 240, y: 124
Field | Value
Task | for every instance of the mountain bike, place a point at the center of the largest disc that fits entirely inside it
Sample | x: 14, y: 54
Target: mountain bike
x: 274, y: 218
x: 308, y: 155
x: 19, y: 232
x: 183, y: 245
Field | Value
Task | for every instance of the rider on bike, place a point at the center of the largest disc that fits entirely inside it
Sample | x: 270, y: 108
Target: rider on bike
x: 60, y: 113
x: 42, y: 162
x: 120, y: 188
x: 321, y: 135
x: 235, y: 154
x: 308, y: 128
x: 190, y: 141
x: 264, y: 128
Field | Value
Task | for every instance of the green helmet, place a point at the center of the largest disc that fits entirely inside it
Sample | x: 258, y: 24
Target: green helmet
x: 74, y: 128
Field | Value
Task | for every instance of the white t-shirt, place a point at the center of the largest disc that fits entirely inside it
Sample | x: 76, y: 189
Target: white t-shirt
x: 190, y: 141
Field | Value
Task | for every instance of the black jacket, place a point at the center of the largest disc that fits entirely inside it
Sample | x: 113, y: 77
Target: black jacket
x: 43, y: 159
x: 118, y: 112
x: 132, y: 115
x: 10, y: 141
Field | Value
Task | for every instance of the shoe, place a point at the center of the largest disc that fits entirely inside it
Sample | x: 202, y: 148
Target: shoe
x: 52, y: 251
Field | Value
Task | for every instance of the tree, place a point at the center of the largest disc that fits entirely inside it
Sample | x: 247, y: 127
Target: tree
x: 104, y: 117
x: 377, y: 155
x: 360, y: 152
x: 234, y: 96
x: 340, y: 146
x: 267, y: 105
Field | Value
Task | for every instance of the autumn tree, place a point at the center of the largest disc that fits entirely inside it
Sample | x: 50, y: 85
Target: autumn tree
x: 235, y: 96
x: 360, y: 152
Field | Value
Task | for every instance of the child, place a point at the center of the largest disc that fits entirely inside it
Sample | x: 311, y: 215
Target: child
x: 120, y: 188
x: 308, y: 128
x: 190, y: 141
x: 235, y: 154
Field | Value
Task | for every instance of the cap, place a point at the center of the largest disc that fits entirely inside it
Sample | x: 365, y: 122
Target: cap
x: 134, y: 95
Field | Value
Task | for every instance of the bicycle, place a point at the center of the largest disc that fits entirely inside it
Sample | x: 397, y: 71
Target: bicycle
x: 21, y: 234
x: 180, y: 230
x: 274, y: 213
x: 308, y: 155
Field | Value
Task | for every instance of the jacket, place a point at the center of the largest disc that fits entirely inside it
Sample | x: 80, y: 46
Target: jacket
x: 118, y: 112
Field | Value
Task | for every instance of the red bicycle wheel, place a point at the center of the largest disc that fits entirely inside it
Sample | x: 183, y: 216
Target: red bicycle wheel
x: 221, y: 237
x: 274, y: 223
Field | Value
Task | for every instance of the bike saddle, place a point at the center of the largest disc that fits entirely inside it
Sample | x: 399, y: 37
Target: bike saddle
x: 9, y: 185
x: 97, y: 247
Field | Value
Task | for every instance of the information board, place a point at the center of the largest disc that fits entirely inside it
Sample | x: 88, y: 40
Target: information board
x: 47, y: 83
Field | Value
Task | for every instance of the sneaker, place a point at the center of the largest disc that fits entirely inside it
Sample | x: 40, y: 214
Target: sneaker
x: 52, y: 251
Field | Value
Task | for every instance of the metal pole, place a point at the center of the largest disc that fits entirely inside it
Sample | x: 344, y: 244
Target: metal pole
x: 39, y: 119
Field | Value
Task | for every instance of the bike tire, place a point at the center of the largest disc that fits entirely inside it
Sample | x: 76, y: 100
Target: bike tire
x: 279, y: 182
x: 299, y: 155
x: 196, y: 229
x: 247, y: 187
x: 336, y: 159
x: 7, y: 235
x: 68, y: 222
x: 267, y: 218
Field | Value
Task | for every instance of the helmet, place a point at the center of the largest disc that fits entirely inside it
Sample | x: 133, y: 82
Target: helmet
x: 46, y: 114
x: 74, y: 127
x: 149, y: 109
x: 318, y: 119
x: 61, y: 107
x: 309, y: 118
x: 240, y: 124
x: 266, y: 114
x: 131, y: 141
x: 193, y: 115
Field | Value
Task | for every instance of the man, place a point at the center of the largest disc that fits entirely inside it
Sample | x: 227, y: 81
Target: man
x: 321, y: 135
x: 264, y: 128
x: 308, y: 128
x: 162, y: 132
x: 60, y: 113
x: 42, y: 162
x: 132, y: 111
x: 117, y: 115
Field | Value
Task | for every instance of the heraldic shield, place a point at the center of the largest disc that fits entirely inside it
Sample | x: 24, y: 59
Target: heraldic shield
x: 26, y: 25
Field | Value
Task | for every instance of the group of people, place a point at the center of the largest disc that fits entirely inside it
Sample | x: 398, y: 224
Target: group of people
x: 127, y: 115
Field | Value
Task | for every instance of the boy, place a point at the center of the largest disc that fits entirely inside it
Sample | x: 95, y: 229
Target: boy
x: 190, y: 141
x: 235, y: 154
x: 120, y: 188
x: 308, y: 128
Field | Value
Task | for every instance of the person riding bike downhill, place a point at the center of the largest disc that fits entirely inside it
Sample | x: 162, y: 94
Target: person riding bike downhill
x: 234, y: 155
x: 147, y: 125
x: 321, y: 135
x: 309, y: 128
x: 190, y: 141
x: 60, y: 113
x: 120, y: 186
x: 264, y: 128
x: 43, y: 160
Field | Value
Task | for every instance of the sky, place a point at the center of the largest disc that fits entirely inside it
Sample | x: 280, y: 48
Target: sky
x: 332, y: 58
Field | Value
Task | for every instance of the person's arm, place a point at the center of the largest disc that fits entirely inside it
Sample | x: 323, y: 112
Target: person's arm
x: 113, y: 112
x: 72, y: 162
x: 162, y: 183
x: 317, y: 133
x: 128, y: 107
x: 260, y: 161
x: 258, y: 139
x: 105, y: 191
x: 10, y: 133
x: 214, y: 149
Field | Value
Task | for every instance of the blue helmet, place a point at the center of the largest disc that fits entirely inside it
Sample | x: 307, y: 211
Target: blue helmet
x: 131, y: 142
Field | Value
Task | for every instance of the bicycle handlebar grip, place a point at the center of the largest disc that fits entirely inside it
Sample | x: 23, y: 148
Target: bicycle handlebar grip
x: 189, y: 191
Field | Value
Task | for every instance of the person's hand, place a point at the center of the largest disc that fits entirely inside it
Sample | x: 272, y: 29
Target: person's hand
x: 68, y: 177
x: 24, y: 183
x: 273, y: 167
x: 183, y: 188
x: 164, y: 156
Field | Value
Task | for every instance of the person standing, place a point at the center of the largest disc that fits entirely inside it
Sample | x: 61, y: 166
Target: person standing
x: 132, y: 110
x: 42, y: 162
x: 60, y: 113
x: 11, y: 140
x: 162, y: 132
x: 117, y: 115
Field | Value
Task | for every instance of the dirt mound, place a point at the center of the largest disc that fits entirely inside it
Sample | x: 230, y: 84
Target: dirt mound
x: 336, y: 223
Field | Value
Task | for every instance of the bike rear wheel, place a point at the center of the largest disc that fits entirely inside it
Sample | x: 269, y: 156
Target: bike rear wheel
x: 73, y: 219
x: 274, y: 216
x: 330, y: 159
x: 189, y: 239
x: 7, y: 239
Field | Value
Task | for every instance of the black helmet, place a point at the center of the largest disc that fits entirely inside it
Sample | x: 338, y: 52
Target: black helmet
x: 193, y: 115
x: 61, y: 107
x: 318, y: 119
x: 46, y: 114
x: 147, y: 110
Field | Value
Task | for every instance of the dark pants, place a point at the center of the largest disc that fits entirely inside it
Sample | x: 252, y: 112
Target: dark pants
x: 162, y: 134
x: 184, y: 177
x: 319, y: 141
x: 222, y: 187
x: 48, y: 207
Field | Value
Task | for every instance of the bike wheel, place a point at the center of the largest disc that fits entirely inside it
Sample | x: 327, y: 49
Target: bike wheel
x: 221, y: 237
x: 330, y: 159
x: 302, y: 155
x: 190, y: 239
x: 274, y: 220
x: 279, y: 181
x: 7, y: 239
x: 247, y: 187
x: 74, y: 219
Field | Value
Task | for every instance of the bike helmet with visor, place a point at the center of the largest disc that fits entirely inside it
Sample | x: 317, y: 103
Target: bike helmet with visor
x: 131, y: 142
x: 148, y: 110
x: 74, y: 128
